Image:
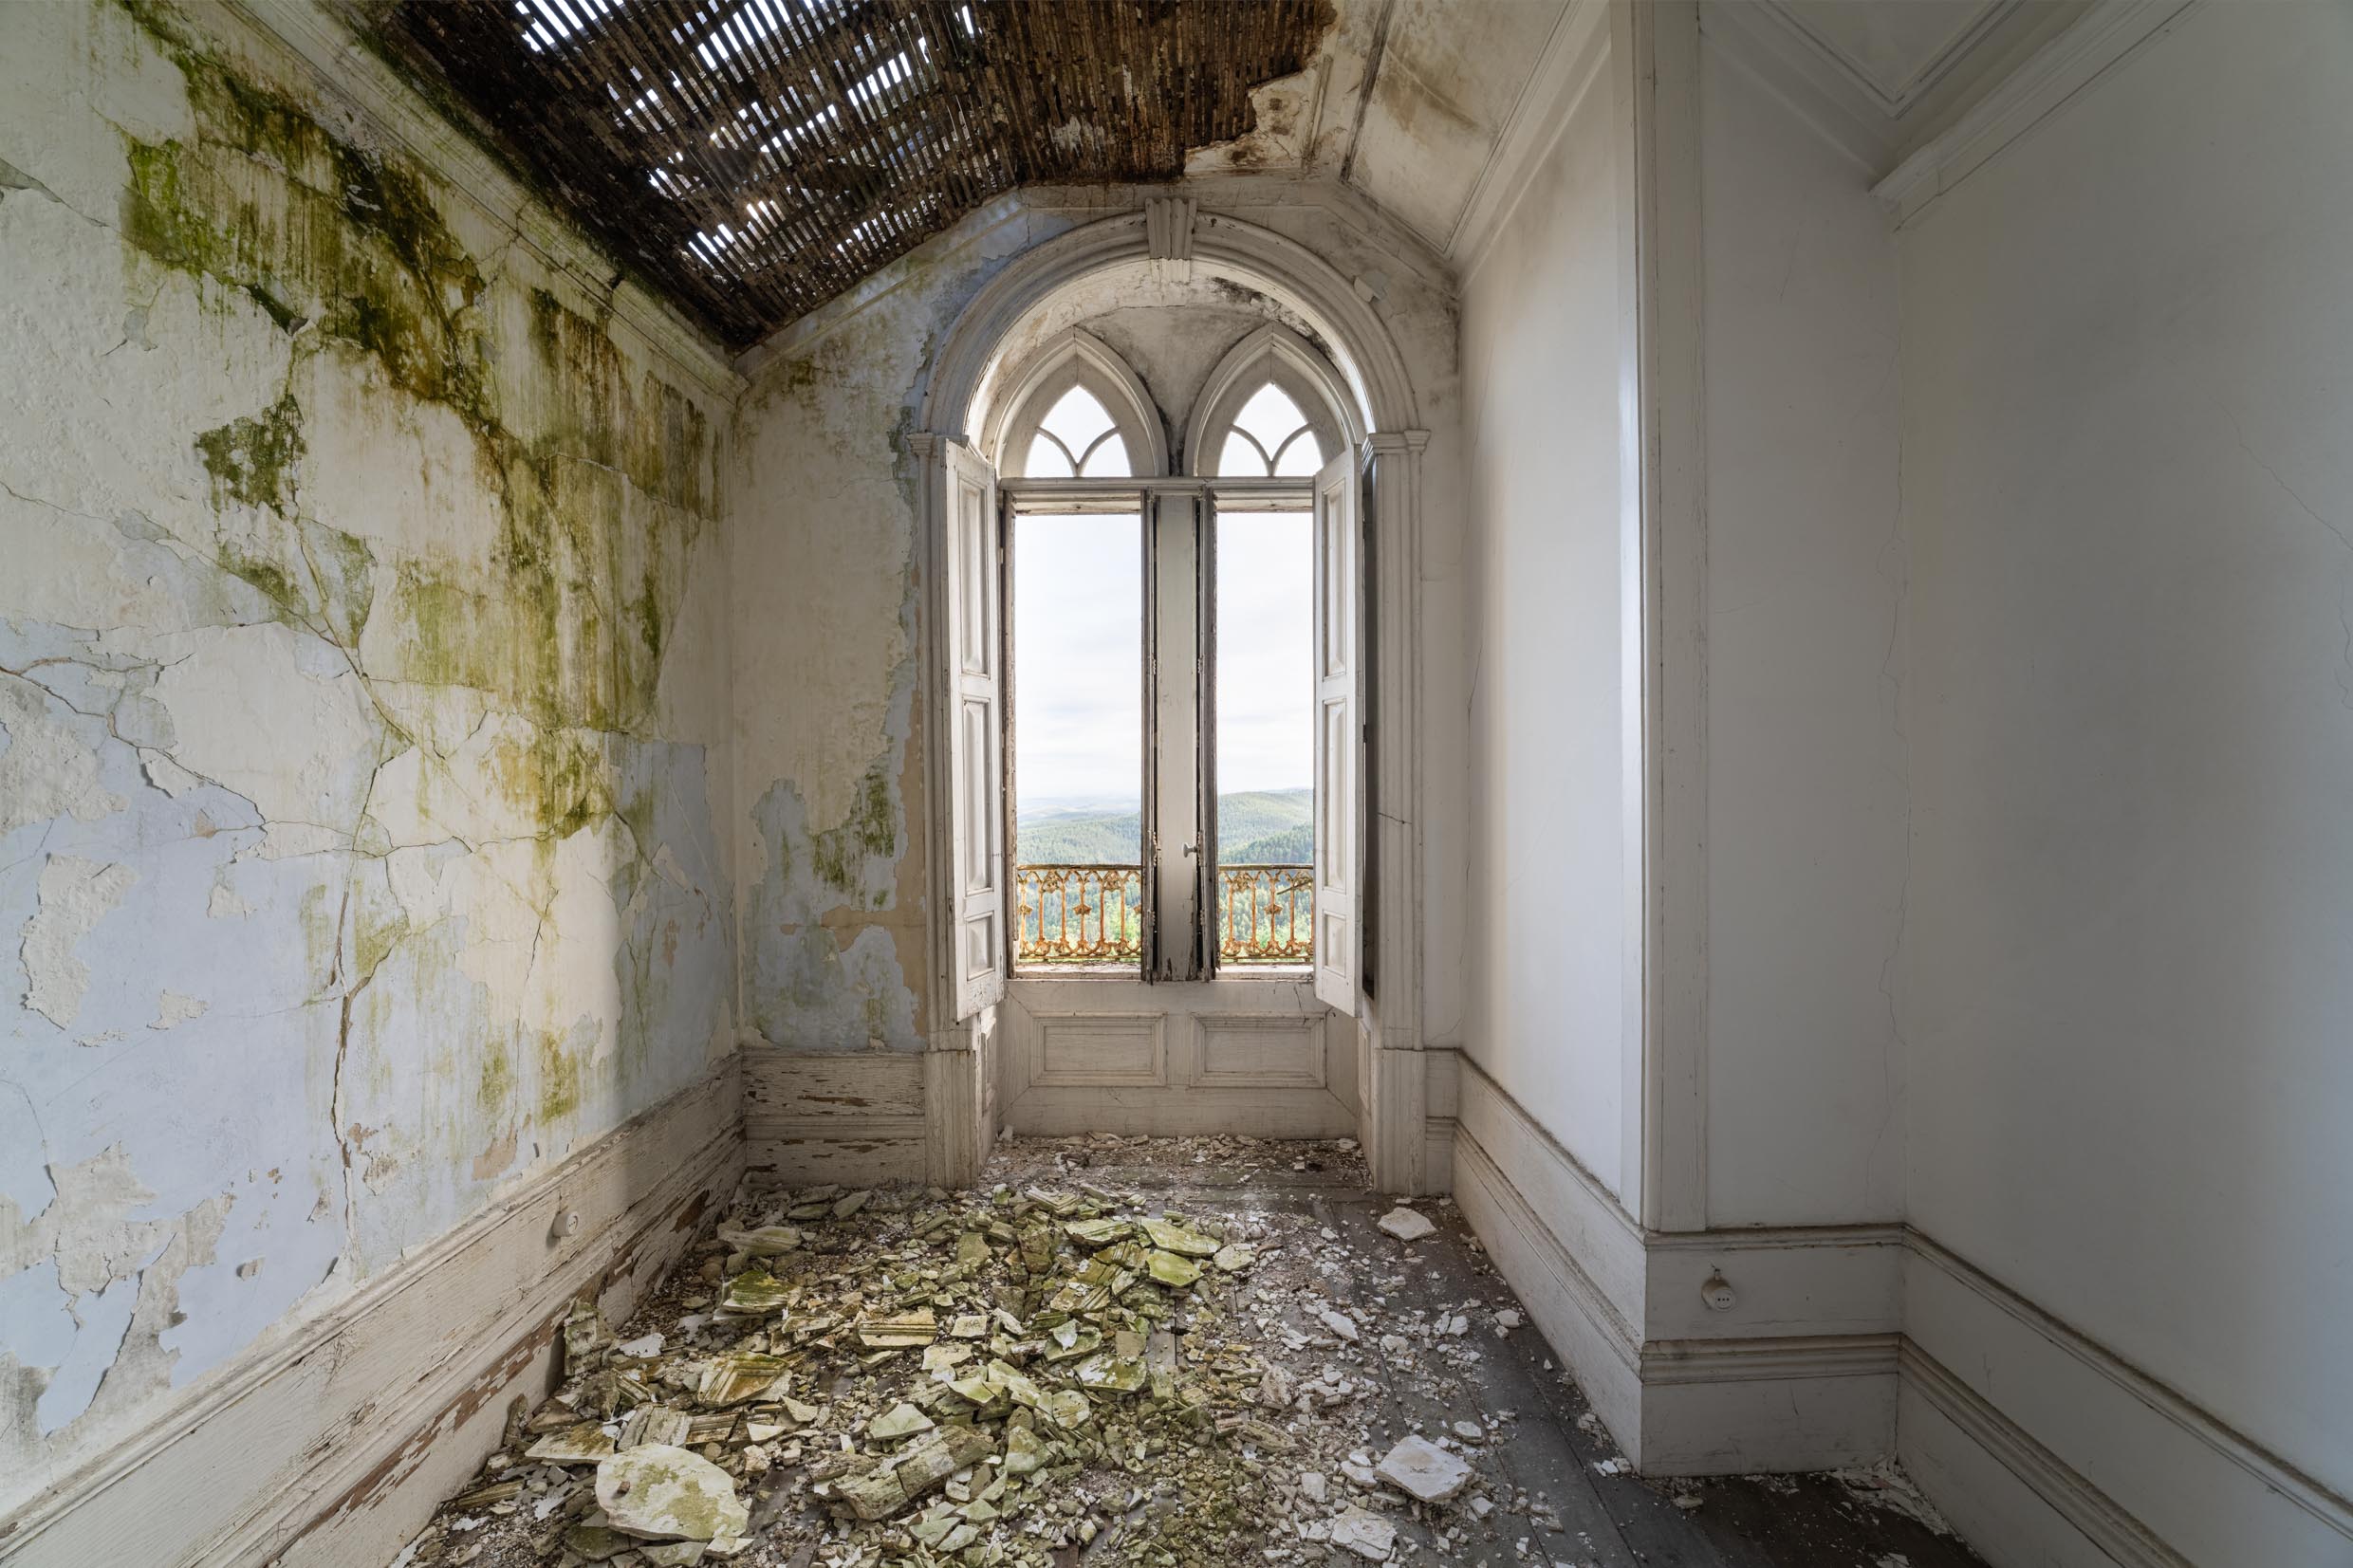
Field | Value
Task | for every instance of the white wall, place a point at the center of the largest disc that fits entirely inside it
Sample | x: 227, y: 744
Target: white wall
x: 1541, y: 314
x: 1805, y: 793
x: 2128, y: 483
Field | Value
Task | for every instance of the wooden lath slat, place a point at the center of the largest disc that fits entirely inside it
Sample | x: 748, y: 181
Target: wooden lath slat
x: 699, y: 93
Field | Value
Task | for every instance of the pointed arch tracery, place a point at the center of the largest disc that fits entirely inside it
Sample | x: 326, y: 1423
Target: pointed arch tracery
x: 1077, y: 410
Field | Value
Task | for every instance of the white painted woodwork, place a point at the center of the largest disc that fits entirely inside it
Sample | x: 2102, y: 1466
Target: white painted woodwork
x: 1338, y: 732
x: 976, y: 645
x: 1243, y: 1054
x: 1172, y: 854
x: 850, y: 1117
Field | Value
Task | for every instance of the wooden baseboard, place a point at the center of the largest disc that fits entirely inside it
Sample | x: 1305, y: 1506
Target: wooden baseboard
x: 855, y: 1118
x: 2081, y: 1437
x: 333, y: 1444
x: 1841, y: 1344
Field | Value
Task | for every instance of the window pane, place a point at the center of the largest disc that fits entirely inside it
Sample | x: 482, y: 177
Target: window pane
x: 1078, y: 738
x: 1109, y: 460
x: 1240, y: 460
x: 1076, y: 419
x: 1265, y: 737
x: 1270, y: 417
x: 1302, y: 458
x: 1046, y: 460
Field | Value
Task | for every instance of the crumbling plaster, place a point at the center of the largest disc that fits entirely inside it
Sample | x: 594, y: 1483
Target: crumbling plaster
x: 363, y: 711
x: 828, y: 769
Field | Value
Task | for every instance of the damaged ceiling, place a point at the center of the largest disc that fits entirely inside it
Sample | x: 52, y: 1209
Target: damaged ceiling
x: 756, y: 157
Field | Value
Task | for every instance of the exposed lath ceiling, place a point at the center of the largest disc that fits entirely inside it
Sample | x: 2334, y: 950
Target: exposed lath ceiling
x: 756, y: 157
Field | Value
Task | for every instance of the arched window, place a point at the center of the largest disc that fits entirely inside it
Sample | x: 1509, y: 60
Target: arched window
x: 1078, y: 412
x: 1270, y: 411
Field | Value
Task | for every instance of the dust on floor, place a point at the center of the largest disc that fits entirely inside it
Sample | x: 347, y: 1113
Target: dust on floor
x: 1173, y: 1352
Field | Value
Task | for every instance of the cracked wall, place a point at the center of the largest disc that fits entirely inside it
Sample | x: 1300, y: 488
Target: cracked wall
x: 363, y: 712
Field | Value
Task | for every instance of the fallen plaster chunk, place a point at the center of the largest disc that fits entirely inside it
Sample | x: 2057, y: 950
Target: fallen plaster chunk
x: 1421, y: 1469
x: 1339, y: 1323
x: 1405, y: 1224
x: 658, y: 1492
x: 1365, y: 1533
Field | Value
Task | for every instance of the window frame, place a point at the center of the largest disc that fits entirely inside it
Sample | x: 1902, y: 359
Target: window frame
x: 1179, y: 519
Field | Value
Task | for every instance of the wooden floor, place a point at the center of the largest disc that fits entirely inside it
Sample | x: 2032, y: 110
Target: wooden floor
x: 1604, y: 1520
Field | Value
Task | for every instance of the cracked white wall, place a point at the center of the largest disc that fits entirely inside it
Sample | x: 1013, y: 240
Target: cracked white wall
x: 362, y: 715
x: 829, y: 775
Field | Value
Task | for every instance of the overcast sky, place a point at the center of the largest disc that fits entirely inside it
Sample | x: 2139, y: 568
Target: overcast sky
x: 1079, y: 657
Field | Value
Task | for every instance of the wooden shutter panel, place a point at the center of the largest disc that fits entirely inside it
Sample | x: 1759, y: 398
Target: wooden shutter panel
x: 975, y: 641
x: 1339, y: 734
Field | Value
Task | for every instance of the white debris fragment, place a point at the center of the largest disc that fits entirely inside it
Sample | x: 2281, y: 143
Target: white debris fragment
x: 1365, y: 1533
x: 1339, y: 1323
x: 658, y: 1492
x: 1508, y: 1319
x: 645, y: 1347
x: 1612, y: 1466
x: 1470, y: 1432
x: 1405, y: 1224
x: 1421, y: 1469
x: 1311, y: 1484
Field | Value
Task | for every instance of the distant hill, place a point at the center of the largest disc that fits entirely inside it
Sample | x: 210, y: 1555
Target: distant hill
x: 1270, y: 826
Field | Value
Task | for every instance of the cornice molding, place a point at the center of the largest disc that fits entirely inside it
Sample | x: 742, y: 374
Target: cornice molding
x: 2112, y: 34
x: 1571, y: 62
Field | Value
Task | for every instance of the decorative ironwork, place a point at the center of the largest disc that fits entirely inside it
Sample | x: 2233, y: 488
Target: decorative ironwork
x: 1266, y: 914
x: 1079, y: 914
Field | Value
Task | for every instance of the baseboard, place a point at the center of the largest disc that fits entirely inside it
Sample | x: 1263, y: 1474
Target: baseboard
x: 2136, y: 1467
x: 855, y: 1118
x: 1807, y: 1348
x: 1593, y: 1334
x: 332, y: 1445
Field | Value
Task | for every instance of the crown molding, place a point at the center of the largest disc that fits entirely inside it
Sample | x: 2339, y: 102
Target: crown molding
x: 1571, y: 61
x: 2111, y: 33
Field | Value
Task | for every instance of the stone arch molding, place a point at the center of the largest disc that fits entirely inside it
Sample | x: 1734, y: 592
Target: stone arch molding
x: 967, y: 383
x: 1278, y: 355
x: 1077, y: 358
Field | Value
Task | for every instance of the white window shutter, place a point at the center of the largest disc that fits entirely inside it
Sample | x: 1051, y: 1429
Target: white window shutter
x: 976, y: 685
x: 1339, y: 734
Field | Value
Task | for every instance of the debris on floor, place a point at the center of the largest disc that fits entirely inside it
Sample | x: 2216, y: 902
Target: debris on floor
x: 1059, y: 1370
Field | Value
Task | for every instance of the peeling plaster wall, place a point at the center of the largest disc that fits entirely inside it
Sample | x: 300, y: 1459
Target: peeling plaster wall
x: 829, y: 775
x: 363, y: 713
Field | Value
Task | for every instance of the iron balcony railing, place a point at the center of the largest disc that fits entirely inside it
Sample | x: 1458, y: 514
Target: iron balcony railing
x: 1095, y: 915
x: 1079, y: 914
x: 1266, y: 914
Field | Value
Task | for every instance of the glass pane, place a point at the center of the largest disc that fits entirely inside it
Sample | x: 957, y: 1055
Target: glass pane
x: 1078, y: 738
x: 1046, y: 460
x: 1302, y: 458
x: 1240, y: 460
x: 1076, y: 419
x: 1270, y: 417
x: 1266, y: 738
x: 1109, y: 460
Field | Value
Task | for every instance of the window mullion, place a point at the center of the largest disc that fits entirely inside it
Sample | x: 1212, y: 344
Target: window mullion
x: 1175, y: 658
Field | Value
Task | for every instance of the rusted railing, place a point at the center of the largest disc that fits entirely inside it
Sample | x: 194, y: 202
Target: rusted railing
x: 1266, y: 914
x: 1079, y: 914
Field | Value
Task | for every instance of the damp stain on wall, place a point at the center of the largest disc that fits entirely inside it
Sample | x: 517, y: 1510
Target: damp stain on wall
x: 356, y: 851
